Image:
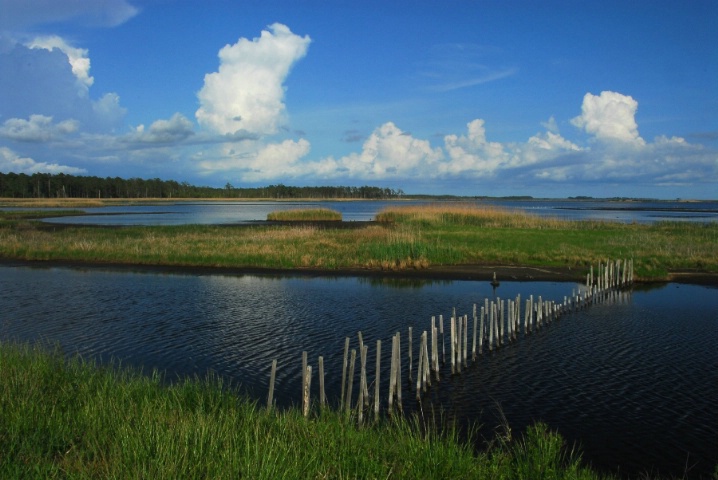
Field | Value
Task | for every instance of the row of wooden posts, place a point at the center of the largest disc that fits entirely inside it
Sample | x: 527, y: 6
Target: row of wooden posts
x: 495, y: 324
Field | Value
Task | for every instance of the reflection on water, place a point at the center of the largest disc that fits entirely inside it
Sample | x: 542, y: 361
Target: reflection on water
x: 633, y: 380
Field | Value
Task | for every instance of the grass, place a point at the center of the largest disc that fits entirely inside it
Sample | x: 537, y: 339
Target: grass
x: 74, y: 419
x: 404, y: 238
x: 305, y: 215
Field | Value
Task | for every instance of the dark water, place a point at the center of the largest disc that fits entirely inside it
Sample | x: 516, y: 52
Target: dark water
x: 633, y: 380
x: 243, y: 212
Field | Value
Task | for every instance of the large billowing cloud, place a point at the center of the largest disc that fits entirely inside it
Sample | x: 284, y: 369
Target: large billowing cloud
x: 77, y: 58
x: 388, y: 153
x: 50, y: 77
x: 609, y: 116
x: 615, y: 154
x: 247, y: 91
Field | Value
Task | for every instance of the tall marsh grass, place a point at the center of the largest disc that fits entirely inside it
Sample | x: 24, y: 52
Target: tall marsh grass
x: 305, y: 215
x: 74, y: 419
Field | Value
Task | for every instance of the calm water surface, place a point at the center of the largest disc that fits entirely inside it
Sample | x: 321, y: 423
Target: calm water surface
x: 633, y: 381
x: 243, y: 212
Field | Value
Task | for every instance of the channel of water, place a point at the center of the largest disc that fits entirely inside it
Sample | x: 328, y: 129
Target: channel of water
x: 633, y: 381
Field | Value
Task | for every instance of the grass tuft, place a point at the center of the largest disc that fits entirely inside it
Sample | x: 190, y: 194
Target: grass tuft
x: 305, y: 215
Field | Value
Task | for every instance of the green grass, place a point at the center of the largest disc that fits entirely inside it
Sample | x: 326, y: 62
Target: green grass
x: 74, y: 419
x: 404, y: 238
x: 305, y: 215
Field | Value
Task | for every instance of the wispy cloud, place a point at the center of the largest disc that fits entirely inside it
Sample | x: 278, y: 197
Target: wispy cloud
x: 454, y: 66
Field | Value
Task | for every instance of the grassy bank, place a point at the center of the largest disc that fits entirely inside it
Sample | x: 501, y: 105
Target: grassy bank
x: 73, y: 419
x: 403, y: 238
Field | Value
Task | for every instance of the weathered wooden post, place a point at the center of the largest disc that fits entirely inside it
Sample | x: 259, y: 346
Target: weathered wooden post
x: 350, y: 385
x: 443, y: 340
x: 398, y: 370
x: 473, y: 343
x: 322, y: 394
x: 491, y: 326
x: 459, y: 341
x: 392, y: 374
x: 481, y: 331
x: 376, y: 380
x: 272, y: 378
x: 426, y: 369
x: 419, y: 367
x: 307, y: 389
x: 304, y: 368
x: 453, y: 343
x: 344, y: 372
x: 363, y: 397
x: 435, y: 348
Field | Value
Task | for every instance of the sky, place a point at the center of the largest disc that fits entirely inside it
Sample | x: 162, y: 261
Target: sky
x: 485, y: 97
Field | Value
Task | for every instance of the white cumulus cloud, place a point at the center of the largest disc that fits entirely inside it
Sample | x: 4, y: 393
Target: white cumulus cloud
x: 247, y: 91
x: 472, y: 153
x: 176, y: 129
x: 610, y: 116
x: 389, y: 152
x: 38, y: 128
x: 12, y: 162
x: 76, y: 57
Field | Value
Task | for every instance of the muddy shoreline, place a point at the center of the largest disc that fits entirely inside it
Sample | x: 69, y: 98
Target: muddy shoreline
x: 439, y: 272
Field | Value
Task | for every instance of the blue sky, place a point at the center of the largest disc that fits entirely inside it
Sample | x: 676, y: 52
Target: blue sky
x: 550, y: 99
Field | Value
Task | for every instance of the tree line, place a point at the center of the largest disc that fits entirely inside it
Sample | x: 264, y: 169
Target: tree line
x: 47, y: 185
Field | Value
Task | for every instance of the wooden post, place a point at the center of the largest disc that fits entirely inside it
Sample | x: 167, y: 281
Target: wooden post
x: 452, y: 344
x: 503, y: 313
x: 427, y: 370
x: 307, y: 389
x: 322, y: 394
x: 272, y: 378
x: 376, y: 380
x: 304, y: 369
x: 344, y: 371
x: 434, y: 348
x: 466, y: 340
x: 473, y: 343
x: 481, y: 331
x: 491, y: 326
x: 362, y: 382
x: 392, y: 374
x: 511, y: 320
x: 526, y: 317
x: 459, y: 337
x: 398, y: 370
x: 350, y: 382
x: 443, y: 340
x: 419, y: 367
x: 364, y: 394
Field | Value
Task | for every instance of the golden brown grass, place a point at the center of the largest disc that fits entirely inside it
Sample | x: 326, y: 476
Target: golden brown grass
x: 305, y: 215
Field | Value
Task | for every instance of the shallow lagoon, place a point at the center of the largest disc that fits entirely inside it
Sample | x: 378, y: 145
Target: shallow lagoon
x: 183, y: 212
x: 634, y: 381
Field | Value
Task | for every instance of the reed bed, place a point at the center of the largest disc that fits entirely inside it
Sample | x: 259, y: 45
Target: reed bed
x: 70, y: 418
x: 305, y: 215
x: 405, y: 238
x: 53, y: 202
